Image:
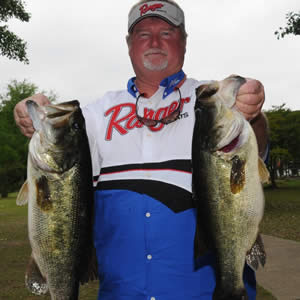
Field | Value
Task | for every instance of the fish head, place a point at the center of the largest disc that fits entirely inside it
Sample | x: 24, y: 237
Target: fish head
x: 217, y: 120
x: 58, y: 132
x: 58, y: 124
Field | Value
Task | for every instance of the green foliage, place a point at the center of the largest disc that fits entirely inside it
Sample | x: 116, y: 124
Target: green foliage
x: 293, y: 25
x: 13, y: 146
x: 285, y: 130
x: 11, y: 45
x: 284, y: 139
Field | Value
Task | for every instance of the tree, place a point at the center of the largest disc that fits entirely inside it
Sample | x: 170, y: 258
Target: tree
x: 13, y: 146
x: 293, y: 25
x: 284, y: 140
x: 11, y: 45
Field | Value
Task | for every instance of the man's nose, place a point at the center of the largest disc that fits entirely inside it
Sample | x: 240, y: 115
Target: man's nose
x: 155, y: 41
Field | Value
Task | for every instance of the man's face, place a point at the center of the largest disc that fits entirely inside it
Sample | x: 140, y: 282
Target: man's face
x: 156, y: 46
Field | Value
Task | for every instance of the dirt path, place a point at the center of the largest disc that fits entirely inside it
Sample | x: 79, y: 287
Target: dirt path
x: 281, y: 274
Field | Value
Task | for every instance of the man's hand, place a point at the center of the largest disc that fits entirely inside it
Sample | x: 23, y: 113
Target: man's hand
x: 22, y: 118
x: 249, y: 101
x: 250, y: 98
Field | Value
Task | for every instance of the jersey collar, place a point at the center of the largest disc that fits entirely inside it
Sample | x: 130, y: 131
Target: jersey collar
x: 168, y: 83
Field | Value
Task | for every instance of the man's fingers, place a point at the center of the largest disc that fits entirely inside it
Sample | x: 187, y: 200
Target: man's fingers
x: 39, y: 98
x: 250, y: 111
x: 21, y: 116
x: 249, y: 107
x: 252, y: 86
x: 25, y: 122
x: 251, y: 99
x: 27, y: 132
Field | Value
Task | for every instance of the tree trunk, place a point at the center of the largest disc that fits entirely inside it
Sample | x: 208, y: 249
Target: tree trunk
x: 273, y: 182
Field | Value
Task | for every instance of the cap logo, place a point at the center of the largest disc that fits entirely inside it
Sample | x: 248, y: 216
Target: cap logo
x: 145, y: 8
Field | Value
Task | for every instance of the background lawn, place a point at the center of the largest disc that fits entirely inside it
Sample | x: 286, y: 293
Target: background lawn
x: 282, y: 219
x: 15, y: 252
x: 282, y: 211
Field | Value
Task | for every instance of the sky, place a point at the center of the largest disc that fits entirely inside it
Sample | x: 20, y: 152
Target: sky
x: 78, y: 49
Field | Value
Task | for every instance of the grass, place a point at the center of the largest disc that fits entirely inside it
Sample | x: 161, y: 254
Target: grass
x: 282, y: 210
x: 15, y: 252
x: 281, y: 219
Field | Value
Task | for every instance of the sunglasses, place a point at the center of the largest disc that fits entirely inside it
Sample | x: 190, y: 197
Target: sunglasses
x: 173, y: 116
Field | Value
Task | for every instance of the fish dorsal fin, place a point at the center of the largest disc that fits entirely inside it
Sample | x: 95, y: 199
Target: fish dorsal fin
x: 34, y: 280
x: 23, y: 195
x: 257, y: 254
x: 263, y: 171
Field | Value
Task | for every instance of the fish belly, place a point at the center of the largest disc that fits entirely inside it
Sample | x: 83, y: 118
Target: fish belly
x: 56, y: 219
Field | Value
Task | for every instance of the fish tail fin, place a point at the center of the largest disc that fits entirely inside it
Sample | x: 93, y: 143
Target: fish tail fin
x: 34, y: 280
x: 257, y: 254
x: 220, y: 294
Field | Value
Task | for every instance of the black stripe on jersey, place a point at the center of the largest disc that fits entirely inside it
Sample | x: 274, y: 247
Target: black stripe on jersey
x: 174, y: 197
x: 183, y: 165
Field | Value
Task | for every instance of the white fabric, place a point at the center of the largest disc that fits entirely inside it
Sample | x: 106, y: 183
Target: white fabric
x: 123, y: 143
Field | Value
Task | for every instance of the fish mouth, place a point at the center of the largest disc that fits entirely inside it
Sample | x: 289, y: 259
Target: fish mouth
x: 229, y: 147
x: 232, y: 137
x: 58, y: 115
x: 60, y: 110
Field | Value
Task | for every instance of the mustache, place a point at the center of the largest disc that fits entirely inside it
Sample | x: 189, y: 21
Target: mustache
x: 155, y: 51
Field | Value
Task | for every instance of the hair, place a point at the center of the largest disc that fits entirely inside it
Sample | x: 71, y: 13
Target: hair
x: 181, y: 26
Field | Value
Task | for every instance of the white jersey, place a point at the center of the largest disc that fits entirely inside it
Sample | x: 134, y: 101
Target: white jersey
x: 118, y: 139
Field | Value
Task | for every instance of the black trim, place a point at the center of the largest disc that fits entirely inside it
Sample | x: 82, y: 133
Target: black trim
x: 174, y: 197
x: 184, y: 165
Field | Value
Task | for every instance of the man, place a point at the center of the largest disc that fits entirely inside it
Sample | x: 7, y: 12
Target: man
x: 145, y: 217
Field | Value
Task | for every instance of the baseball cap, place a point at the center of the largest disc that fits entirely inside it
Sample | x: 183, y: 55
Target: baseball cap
x: 164, y: 10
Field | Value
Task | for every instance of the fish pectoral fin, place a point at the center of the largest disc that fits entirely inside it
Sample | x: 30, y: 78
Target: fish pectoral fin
x: 34, y: 280
x: 257, y: 254
x: 263, y: 171
x: 23, y: 194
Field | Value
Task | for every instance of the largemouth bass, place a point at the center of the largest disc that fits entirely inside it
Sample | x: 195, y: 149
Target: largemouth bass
x: 227, y: 176
x: 60, y: 201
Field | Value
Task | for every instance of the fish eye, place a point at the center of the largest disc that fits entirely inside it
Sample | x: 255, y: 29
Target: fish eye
x: 75, y: 126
